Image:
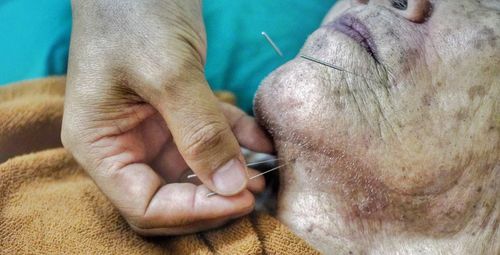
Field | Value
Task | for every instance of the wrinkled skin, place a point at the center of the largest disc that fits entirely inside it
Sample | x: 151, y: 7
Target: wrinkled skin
x: 405, y: 161
x: 139, y: 117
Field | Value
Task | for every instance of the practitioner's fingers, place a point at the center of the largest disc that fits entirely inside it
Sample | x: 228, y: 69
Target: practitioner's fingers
x: 255, y: 185
x: 154, y: 208
x: 248, y: 133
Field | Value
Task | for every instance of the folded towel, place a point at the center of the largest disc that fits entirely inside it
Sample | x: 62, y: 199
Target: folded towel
x: 48, y: 205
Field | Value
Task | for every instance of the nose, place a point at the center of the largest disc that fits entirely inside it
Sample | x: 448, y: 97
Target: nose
x: 413, y: 10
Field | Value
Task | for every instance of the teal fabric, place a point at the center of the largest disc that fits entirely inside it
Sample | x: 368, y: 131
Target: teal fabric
x: 238, y: 56
x: 35, y: 36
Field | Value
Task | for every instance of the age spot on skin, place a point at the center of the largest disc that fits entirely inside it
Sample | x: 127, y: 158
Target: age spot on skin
x: 476, y: 91
x: 339, y: 105
x: 408, y: 59
x: 426, y: 100
x: 461, y: 115
x: 486, y: 36
x: 310, y: 228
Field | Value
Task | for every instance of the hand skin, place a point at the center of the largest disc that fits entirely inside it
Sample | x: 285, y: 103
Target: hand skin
x: 139, y: 114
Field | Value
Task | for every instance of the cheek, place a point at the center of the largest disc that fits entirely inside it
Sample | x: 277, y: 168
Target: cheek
x: 441, y: 132
x: 464, y: 38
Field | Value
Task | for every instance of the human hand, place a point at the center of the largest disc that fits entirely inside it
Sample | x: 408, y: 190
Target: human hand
x: 139, y: 114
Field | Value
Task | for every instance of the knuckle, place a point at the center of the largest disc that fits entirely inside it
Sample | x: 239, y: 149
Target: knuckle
x: 163, y: 76
x: 167, y: 81
x: 204, y: 137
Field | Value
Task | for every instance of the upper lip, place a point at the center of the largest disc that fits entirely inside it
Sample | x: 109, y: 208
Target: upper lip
x: 357, y: 30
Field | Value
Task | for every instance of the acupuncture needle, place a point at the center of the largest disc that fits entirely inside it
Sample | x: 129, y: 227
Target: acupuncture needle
x: 338, y: 68
x: 255, y: 176
x: 270, y: 41
x: 315, y: 60
x: 249, y: 164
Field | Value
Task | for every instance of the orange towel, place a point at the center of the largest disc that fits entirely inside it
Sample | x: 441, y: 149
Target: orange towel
x: 48, y: 205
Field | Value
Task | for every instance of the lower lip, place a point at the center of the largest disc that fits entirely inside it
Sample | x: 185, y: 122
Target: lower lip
x: 357, y: 31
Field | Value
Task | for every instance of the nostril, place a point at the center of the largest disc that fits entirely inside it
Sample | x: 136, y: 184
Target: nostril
x: 400, y: 4
x: 413, y: 10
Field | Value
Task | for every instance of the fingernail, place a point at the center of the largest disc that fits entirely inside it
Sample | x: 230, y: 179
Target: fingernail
x: 230, y: 178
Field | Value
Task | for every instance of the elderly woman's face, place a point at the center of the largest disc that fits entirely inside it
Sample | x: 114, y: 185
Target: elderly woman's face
x: 415, y: 115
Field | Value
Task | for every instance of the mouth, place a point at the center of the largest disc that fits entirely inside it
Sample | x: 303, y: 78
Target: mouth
x: 356, y: 30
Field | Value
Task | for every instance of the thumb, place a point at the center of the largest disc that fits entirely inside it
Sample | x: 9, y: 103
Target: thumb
x: 203, y: 136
